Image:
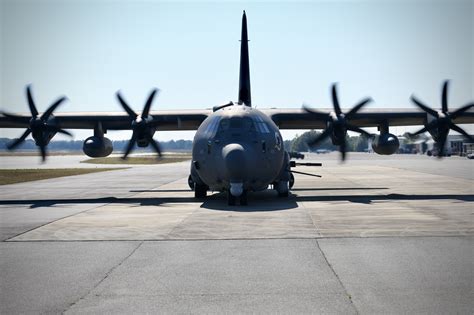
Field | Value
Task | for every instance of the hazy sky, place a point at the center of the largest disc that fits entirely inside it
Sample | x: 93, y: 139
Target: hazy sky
x: 88, y: 50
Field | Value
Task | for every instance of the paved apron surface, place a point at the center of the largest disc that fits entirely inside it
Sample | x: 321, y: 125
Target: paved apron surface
x: 371, y: 236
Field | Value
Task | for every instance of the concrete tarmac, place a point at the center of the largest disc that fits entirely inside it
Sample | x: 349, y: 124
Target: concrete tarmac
x: 374, y: 235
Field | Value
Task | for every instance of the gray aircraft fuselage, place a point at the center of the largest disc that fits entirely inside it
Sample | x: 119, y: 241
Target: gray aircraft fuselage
x: 238, y: 149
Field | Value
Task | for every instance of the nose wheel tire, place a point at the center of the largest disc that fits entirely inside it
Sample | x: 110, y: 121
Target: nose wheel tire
x: 243, y: 198
x: 283, y: 194
x: 232, y: 200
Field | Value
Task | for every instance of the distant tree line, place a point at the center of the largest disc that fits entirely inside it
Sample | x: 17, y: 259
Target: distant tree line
x: 76, y: 145
x: 298, y: 143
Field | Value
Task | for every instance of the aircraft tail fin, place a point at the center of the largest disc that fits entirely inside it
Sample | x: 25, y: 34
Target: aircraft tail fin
x: 244, y: 77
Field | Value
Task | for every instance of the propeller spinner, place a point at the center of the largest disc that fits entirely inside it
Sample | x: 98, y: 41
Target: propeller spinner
x: 39, y: 127
x: 442, y: 123
x: 143, y: 126
x: 337, y: 123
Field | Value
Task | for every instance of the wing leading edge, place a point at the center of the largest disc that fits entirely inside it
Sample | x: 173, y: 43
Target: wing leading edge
x: 166, y: 120
x: 192, y: 119
x: 300, y: 119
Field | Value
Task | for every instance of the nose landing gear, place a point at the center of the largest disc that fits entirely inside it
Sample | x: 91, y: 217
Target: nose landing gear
x: 232, y: 200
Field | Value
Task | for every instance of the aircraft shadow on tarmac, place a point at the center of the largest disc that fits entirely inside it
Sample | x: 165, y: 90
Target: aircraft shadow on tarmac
x: 293, y: 189
x: 337, y: 188
x: 260, y: 201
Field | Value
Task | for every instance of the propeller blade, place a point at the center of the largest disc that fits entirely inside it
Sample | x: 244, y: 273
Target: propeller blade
x: 17, y: 119
x: 342, y: 149
x: 65, y: 132
x: 321, y: 137
x: 125, y: 106
x: 441, y: 143
x: 428, y: 127
x: 130, y: 145
x: 43, y: 152
x: 422, y: 130
x: 444, y: 97
x: 424, y: 107
x: 461, y: 131
x: 359, y: 130
x: 31, y: 102
x: 52, y: 108
x: 335, y: 101
x: 317, y: 114
x: 16, y: 142
x: 146, y: 109
x: 56, y: 129
x: 154, y: 144
x: 356, y: 108
x: 461, y: 110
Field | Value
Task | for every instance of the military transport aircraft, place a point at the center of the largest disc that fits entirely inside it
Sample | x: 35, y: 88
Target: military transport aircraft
x: 238, y: 148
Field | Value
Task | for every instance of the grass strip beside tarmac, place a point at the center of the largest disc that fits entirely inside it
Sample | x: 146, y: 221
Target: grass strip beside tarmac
x: 139, y: 160
x: 13, y: 176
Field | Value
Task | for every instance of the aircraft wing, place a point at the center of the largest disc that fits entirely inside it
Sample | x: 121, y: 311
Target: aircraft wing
x: 300, y: 119
x: 165, y: 120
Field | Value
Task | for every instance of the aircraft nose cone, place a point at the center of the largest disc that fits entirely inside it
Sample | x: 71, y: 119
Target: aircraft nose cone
x: 235, y: 162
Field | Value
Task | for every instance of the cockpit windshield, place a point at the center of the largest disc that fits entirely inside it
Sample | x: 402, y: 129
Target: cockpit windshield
x: 236, y: 123
x: 261, y: 125
x: 211, y: 128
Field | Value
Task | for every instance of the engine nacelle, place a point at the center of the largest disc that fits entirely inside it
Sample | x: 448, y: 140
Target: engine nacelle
x: 97, y: 147
x: 385, y: 144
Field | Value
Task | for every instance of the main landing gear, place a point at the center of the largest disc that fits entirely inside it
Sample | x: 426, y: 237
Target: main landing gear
x: 282, y: 188
x: 200, y: 190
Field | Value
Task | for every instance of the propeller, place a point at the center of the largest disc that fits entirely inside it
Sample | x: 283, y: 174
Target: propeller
x: 143, y: 126
x: 337, y: 123
x: 440, y: 126
x: 39, y: 126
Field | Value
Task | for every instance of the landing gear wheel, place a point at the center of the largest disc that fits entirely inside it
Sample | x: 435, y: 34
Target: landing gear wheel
x: 292, y: 180
x: 243, y: 198
x: 282, y: 188
x: 200, y: 191
x: 230, y: 199
x: 283, y: 194
x: 191, y: 182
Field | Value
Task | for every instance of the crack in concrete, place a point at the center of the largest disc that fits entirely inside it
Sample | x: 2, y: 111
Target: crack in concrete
x: 107, y: 274
x: 337, y: 277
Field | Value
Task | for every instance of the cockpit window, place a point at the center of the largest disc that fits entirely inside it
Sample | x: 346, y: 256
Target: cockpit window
x: 211, y: 128
x: 239, y: 123
x: 224, y: 125
x: 261, y: 125
x: 236, y: 123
